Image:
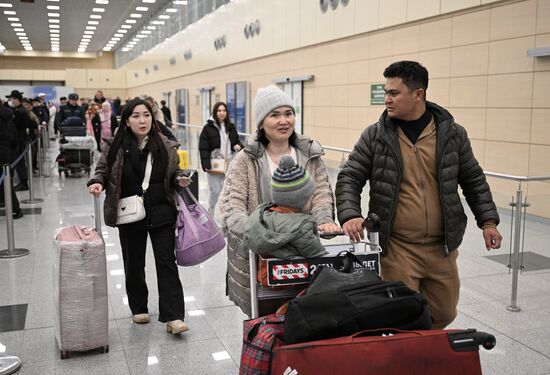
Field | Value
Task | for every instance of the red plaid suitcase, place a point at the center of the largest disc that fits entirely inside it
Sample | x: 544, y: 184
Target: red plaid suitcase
x: 387, y: 352
x: 260, y: 338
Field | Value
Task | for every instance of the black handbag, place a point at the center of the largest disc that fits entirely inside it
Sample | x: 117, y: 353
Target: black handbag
x: 347, y: 270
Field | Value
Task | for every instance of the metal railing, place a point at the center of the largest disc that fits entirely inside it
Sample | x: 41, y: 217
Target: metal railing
x: 519, y: 211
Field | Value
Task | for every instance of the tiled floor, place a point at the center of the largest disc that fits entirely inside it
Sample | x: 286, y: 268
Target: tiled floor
x: 523, y: 344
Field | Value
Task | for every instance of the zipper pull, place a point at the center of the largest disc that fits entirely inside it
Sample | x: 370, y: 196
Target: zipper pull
x: 390, y: 292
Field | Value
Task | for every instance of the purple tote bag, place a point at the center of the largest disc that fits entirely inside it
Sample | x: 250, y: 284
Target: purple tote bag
x: 197, y: 235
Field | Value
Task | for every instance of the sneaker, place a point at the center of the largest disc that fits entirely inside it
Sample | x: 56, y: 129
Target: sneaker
x: 140, y: 318
x: 18, y: 215
x: 21, y: 187
x: 176, y: 327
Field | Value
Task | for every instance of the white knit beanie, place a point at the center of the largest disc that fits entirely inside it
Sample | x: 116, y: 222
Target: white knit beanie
x: 269, y: 98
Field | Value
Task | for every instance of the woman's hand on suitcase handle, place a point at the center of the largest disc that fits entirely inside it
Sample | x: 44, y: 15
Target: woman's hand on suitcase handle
x: 95, y: 189
x: 354, y: 229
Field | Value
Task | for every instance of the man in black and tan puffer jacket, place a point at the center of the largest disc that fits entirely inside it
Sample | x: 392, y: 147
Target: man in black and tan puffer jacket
x: 414, y: 158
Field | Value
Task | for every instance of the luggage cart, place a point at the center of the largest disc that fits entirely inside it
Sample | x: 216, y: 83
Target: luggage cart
x: 294, y: 274
x: 75, y: 155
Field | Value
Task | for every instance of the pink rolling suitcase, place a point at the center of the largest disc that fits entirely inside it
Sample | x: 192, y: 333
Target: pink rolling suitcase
x: 80, y: 288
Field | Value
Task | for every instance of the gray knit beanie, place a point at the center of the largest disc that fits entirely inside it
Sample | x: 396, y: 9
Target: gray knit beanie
x: 267, y: 99
x: 291, y: 185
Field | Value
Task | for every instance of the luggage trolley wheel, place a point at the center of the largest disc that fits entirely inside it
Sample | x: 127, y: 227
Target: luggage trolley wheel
x: 105, y: 349
x: 65, y: 354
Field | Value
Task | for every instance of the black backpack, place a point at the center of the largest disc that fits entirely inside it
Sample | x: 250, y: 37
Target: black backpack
x: 355, y: 307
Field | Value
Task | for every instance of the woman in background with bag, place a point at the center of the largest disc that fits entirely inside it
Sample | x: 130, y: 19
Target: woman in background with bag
x: 218, y: 141
x: 248, y: 182
x: 139, y: 172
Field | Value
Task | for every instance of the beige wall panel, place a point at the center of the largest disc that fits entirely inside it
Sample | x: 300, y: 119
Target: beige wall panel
x: 439, y: 91
x: 510, y: 56
x: 373, y: 114
x: 541, y: 90
x: 478, y: 148
x: 472, y: 119
x: 339, y: 52
x: 542, y: 63
x: 513, y: 20
x: 339, y: 74
x: 470, y: 60
x: 406, y: 40
x: 321, y: 115
x: 506, y: 157
x: 469, y: 92
x: 358, y: 48
x: 322, y: 76
x: 76, y: 78
x: 438, y: 62
x: 543, y: 15
x: 417, y: 9
x: 509, y: 124
x: 540, y: 126
x: 452, y: 5
x: 471, y: 28
x: 539, y: 198
x: 56, y: 75
x: 502, y: 190
x: 324, y: 25
x: 323, y: 96
x: 5, y: 74
x: 435, y: 34
x: 344, y: 20
x: 292, y: 24
x: 308, y: 95
x: 339, y: 117
x: 358, y: 72
x: 380, y: 44
x: 392, y: 13
x: 538, y: 161
x: 366, y: 15
x: 339, y: 96
x: 358, y: 95
x: 377, y: 67
x: 510, y: 90
x: 38, y: 75
x: 357, y: 118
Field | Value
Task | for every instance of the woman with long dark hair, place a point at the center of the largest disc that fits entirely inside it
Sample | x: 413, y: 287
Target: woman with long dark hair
x: 217, y: 134
x: 120, y: 172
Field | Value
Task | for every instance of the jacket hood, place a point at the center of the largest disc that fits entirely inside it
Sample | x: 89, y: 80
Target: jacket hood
x: 442, y: 116
x: 307, y: 146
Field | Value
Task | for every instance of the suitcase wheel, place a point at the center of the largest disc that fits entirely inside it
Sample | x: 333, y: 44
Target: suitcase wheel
x: 64, y: 354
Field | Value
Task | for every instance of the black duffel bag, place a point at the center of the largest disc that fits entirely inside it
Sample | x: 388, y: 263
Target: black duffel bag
x: 355, y: 307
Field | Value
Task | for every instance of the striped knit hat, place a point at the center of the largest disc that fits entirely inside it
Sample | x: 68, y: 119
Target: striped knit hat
x: 291, y: 185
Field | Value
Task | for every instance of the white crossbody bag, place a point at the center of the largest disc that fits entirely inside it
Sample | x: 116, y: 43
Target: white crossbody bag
x: 132, y: 209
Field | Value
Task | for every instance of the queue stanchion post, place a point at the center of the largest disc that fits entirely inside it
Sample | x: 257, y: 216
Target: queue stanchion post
x: 39, y: 155
x: 11, y: 251
x: 31, y: 199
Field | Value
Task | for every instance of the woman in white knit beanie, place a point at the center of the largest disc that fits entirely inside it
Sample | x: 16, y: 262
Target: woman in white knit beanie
x: 248, y: 181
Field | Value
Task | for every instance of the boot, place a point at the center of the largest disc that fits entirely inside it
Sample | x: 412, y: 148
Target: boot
x: 141, y: 318
x: 176, y: 327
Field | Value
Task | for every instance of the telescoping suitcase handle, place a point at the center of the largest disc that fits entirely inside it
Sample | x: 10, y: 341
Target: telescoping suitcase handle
x: 97, y: 214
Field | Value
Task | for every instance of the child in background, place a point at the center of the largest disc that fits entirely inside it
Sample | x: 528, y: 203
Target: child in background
x: 281, y: 229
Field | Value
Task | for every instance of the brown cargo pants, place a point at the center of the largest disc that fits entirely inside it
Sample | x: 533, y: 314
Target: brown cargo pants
x: 425, y: 268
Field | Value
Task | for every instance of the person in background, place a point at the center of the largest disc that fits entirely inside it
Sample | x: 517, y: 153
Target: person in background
x: 414, y: 158
x: 108, y: 122
x: 99, y: 97
x: 118, y: 106
x: 120, y: 172
x: 33, y: 131
x: 84, y: 104
x: 53, y: 110
x: 217, y: 134
x: 166, y: 112
x: 93, y: 123
x: 62, y: 101
x: 159, y: 117
x: 21, y: 121
x: 248, y: 182
x: 8, y: 152
x: 71, y: 109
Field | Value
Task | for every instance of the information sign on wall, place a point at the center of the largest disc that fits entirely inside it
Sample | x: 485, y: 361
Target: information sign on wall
x: 377, y: 94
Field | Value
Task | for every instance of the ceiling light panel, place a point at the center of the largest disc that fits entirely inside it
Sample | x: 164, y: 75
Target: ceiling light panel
x: 53, y: 20
x: 16, y: 24
x: 182, y: 2
x: 149, y: 1
x: 52, y: 7
x: 164, y: 17
x: 95, y: 16
x: 135, y: 15
x: 13, y: 19
x: 91, y: 27
x: 130, y: 21
x: 142, y: 9
x: 171, y: 10
x: 98, y: 10
x: 125, y: 26
x: 102, y: 2
x: 93, y: 22
x: 10, y: 13
x: 18, y: 29
x: 53, y: 15
x: 6, y: 5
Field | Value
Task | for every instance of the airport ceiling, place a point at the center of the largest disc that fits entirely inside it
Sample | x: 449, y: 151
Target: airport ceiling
x: 74, y: 25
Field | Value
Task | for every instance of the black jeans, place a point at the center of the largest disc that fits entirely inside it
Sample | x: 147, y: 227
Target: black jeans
x: 133, y: 241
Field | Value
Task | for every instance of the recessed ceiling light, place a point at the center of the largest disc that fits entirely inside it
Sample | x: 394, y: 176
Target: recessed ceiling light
x: 115, y: 39
x: 141, y: 36
x: 13, y: 19
x: 53, y: 20
x: 23, y: 37
x: 171, y: 10
x: 55, y: 49
x: 53, y: 14
x: 118, y: 35
x: 53, y: 1
x: 6, y: 5
x: 52, y: 7
x: 142, y: 9
x: 20, y: 34
x: 84, y: 37
x: 15, y: 24
x: 180, y: 2
x: 18, y: 29
x: 98, y: 10
x: 55, y: 39
x: 27, y: 48
x: 81, y: 50
x: 130, y: 21
x: 164, y: 17
x: 125, y: 50
x: 106, y: 49
x: 89, y: 32
x: 95, y: 16
x: 151, y: 27
x: 149, y: 1
x: 10, y: 13
x: 93, y: 22
x: 146, y: 31
x: 91, y: 27
x: 126, y: 26
x: 104, y: 2
x: 54, y: 26
x: 157, y: 22
x: 135, y: 15
x: 123, y: 31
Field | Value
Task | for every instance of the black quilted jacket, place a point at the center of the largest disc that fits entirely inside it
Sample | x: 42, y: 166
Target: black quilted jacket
x: 376, y: 157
